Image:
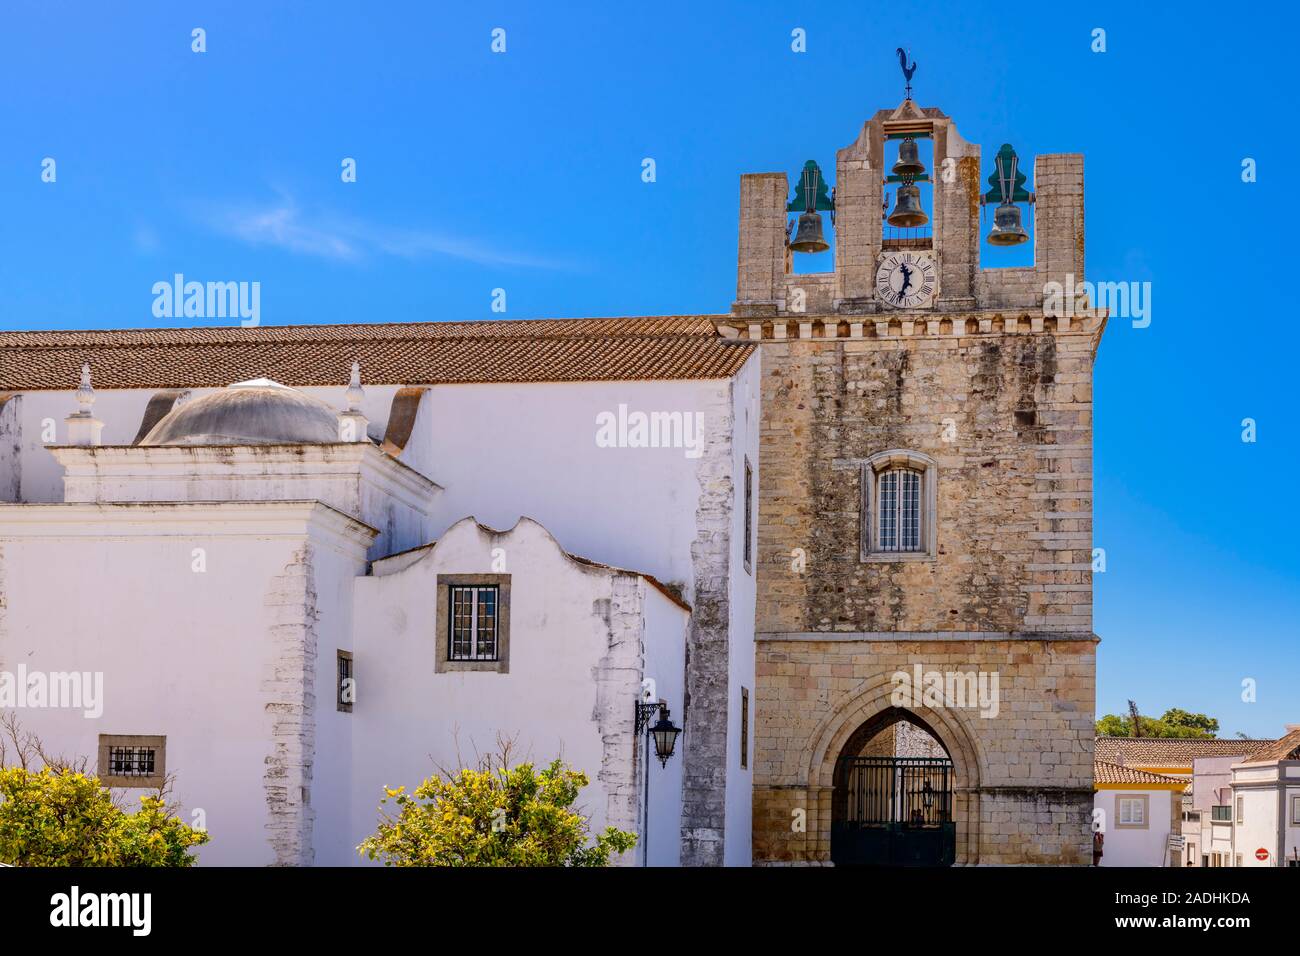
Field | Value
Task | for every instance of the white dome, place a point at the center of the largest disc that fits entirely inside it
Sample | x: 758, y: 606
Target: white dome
x: 260, y: 412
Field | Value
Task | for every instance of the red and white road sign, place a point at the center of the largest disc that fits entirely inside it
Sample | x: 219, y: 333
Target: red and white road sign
x: 1261, y: 854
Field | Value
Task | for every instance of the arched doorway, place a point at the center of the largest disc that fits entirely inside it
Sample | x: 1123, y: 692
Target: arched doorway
x: 892, y: 802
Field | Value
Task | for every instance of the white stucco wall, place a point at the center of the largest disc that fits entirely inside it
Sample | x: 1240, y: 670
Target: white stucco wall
x: 569, y: 691
x: 113, y: 590
x: 504, y: 451
x: 665, y: 663
x: 1128, y: 846
x: 740, y: 662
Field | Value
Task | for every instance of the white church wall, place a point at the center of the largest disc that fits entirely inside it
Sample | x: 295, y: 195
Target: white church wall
x: 190, y: 643
x: 569, y: 690
x: 334, y: 575
x: 743, y: 591
x: 665, y: 663
x: 357, y: 479
x: 503, y: 451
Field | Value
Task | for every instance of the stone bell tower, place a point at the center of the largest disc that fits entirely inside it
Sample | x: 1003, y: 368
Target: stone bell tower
x: 925, y: 510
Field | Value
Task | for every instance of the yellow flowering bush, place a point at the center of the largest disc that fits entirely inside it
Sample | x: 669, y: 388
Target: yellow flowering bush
x: 493, y: 816
x: 59, y: 817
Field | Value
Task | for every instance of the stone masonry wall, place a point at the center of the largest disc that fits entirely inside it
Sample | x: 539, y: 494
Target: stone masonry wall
x: 704, y: 771
x: 1014, y: 482
x: 1023, y: 777
x: 618, y: 681
x: 289, y: 687
x: 1006, y: 417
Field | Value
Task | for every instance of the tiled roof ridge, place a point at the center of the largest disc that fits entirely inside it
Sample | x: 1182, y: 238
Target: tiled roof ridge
x: 406, y: 353
x: 599, y: 327
x: 1119, y: 773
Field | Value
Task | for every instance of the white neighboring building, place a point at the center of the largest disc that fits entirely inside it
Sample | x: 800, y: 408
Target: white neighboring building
x: 1239, y: 796
x: 1139, y: 811
x: 311, y: 546
x: 1266, y: 805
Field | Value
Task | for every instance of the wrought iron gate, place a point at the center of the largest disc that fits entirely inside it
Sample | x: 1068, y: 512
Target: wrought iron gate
x: 893, y: 811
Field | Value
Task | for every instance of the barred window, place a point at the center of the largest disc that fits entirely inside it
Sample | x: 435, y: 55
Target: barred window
x: 1221, y: 814
x: 347, y: 685
x: 749, y: 515
x: 132, y: 761
x: 899, y: 510
x: 473, y: 624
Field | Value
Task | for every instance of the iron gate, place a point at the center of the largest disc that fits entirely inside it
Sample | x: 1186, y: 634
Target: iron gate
x: 893, y: 811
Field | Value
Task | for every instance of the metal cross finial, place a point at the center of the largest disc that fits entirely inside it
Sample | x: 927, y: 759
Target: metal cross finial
x: 907, y: 71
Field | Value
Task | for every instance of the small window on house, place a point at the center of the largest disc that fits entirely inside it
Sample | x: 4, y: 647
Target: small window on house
x: 1295, y: 810
x: 347, y: 686
x: 744, y: 728
x: 1241, y: 810
x: 749, y: 516
x: 1238, y: 859
x: 1221, y: 814
x: 132, y: 760
x: 1133, y: 811
x: 473, y: 623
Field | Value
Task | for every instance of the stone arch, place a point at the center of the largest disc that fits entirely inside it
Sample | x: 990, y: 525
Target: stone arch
x: 869, y: 710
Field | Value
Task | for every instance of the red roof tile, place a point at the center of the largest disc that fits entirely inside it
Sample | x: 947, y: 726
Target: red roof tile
x: 416, y: 353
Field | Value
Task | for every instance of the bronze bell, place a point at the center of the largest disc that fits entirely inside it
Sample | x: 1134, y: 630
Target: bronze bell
x: 808, y: 237
x: 1007, y: 230
x: 907, y: 212
x: 909, y: 162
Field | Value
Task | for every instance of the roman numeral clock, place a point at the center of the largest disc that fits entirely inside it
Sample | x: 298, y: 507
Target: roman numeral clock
x: 907, y: 280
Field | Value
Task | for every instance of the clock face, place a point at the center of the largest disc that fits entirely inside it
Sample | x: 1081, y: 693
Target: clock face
x: 907, y: 280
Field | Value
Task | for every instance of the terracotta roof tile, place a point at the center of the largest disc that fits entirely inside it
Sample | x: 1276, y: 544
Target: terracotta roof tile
x: 416, y: 353
x: 1288, y: 748
x: 1171, y: 751
x: 1104, y: 772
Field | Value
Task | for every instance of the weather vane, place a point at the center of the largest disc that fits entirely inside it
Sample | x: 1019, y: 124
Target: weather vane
x: 907, y: 70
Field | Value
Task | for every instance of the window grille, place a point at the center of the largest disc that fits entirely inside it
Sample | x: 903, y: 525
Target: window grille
x: 473, y: 624
x: 131, y: 761
x: 900, y: 510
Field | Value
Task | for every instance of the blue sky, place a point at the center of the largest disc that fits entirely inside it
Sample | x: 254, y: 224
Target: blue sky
x: 522, y: 171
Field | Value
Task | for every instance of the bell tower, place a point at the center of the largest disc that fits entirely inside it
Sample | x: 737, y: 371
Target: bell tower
x: 925, y: 491
x: 946, y: 234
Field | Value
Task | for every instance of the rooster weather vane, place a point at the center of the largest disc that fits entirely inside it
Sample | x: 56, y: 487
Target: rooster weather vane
x: 907, y: 70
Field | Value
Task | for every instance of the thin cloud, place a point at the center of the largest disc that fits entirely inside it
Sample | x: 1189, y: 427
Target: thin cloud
x: 284, y: 225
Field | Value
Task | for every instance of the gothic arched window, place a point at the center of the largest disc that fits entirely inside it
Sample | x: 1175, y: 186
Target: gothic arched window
x: 898, y: 506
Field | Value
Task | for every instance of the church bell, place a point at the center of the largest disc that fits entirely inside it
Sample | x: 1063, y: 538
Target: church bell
x: 907, y: 212
x: 909, y: 163
x: 808, y: 237
x: 1007, y: 230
